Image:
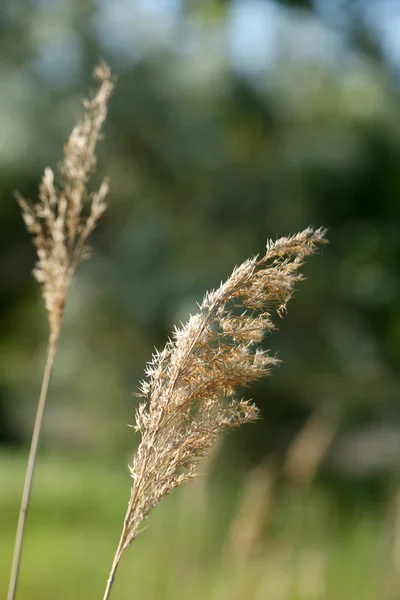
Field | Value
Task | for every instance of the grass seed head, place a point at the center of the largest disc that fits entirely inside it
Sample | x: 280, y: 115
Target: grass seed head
x: 189, y: 389
x: 57, y: 221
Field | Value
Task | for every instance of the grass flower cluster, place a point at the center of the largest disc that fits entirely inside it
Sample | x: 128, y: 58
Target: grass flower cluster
x: 190, y: 386
x: 57, y: 220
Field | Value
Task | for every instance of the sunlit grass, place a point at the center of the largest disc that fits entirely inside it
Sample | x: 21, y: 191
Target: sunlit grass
x: 311, y: 551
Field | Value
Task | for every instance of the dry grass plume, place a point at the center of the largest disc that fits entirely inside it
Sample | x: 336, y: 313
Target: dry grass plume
x: 61, y: 221
x: 189, y: 389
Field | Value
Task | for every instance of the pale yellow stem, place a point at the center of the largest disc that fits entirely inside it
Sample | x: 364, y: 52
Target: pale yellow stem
x: 117, y: 558
x: 19, y: 538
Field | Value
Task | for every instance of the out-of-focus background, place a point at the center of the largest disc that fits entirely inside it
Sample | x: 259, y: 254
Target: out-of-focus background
x: 232, y: 122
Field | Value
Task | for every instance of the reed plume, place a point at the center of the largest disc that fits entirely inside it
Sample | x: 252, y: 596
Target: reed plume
x: 61, y: 221
x: 189, y: 389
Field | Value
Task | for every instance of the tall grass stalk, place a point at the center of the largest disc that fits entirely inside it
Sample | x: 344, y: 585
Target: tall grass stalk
x: 60, y: 232
x: 189, y: 391
x: 51, y: 351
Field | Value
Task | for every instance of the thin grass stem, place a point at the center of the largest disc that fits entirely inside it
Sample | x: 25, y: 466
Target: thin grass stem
x: 19, y: 538
x: 117, y: 558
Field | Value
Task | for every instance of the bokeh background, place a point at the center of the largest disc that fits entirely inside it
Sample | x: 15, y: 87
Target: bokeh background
x: 232, y: 122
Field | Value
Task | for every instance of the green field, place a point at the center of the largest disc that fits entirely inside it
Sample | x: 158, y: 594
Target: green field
x: 308, y: 547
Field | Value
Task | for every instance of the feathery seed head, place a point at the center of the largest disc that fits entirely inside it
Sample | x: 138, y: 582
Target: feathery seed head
x: 56, y: 221
x: 190, y: 386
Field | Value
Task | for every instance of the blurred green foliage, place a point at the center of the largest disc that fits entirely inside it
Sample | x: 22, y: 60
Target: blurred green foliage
x: 312, y: 549
x: 232, y: 122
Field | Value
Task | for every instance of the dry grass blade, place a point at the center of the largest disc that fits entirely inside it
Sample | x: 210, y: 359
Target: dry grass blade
x: 190, y: 386
x: 60, y: 230
x: 309, y: 447
x: 244, y: 540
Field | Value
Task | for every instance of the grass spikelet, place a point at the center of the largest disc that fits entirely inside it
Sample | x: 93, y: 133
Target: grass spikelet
x: 59, y: 228
x: 189, y: 389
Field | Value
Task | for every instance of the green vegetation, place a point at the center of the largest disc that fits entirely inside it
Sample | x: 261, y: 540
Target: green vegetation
x: 310, y: 549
